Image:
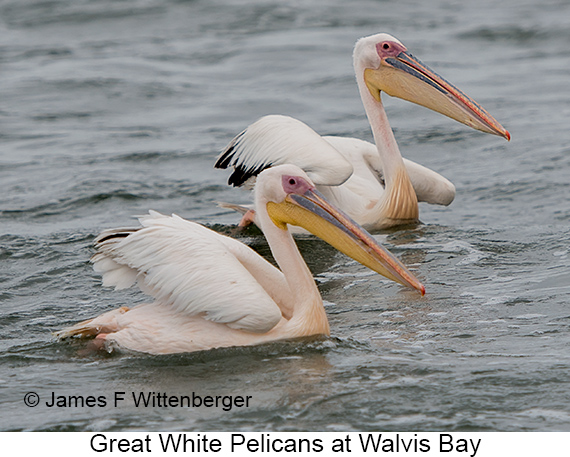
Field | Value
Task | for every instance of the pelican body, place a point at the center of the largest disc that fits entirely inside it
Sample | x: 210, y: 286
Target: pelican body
x: 371, y: 183
x: 212, y: 291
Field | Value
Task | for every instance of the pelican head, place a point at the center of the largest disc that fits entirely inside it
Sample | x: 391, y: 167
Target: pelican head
x: 291, y: 198
x: 387, y: 66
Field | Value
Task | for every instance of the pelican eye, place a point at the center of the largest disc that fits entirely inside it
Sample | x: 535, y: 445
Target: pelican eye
x: 386, y: 46
x: 295, y: 185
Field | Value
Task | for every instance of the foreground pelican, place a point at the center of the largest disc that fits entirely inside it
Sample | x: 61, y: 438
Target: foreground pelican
x: 213, y: 291
x: 372, y: 183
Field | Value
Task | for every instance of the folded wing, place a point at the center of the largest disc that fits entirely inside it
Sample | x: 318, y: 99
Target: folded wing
x: 194, y: 270
x: 275, y: 140
x: 329, y: 160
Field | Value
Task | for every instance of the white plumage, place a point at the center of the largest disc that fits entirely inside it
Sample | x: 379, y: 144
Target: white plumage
x: 192, y: 269
x: 276, y: 140
x: 372, y: 183
x: 212, y: 291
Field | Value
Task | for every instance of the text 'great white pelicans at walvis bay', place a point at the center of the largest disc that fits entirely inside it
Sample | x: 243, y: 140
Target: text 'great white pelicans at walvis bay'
x: 372, y: 183
x: 213, y: 291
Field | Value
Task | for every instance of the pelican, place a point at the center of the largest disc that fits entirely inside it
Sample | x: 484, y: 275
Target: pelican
x: 372, y: 183
x: 213, y: 291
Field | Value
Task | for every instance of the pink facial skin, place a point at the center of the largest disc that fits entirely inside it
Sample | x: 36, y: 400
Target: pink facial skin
x: 387, y: 49
x: 295, y: 185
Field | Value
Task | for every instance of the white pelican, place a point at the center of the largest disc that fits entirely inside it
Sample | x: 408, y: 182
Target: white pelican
x: 213, y: 291
x: 371, y: 183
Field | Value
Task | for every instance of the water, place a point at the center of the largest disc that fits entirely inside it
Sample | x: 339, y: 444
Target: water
x: 112, y: 108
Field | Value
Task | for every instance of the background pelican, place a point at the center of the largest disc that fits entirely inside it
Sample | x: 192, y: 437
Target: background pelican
x: 213, y: 291
x: 372, y: 183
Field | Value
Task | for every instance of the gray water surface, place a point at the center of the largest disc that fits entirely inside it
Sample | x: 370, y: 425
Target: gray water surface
x: 110, y: 108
